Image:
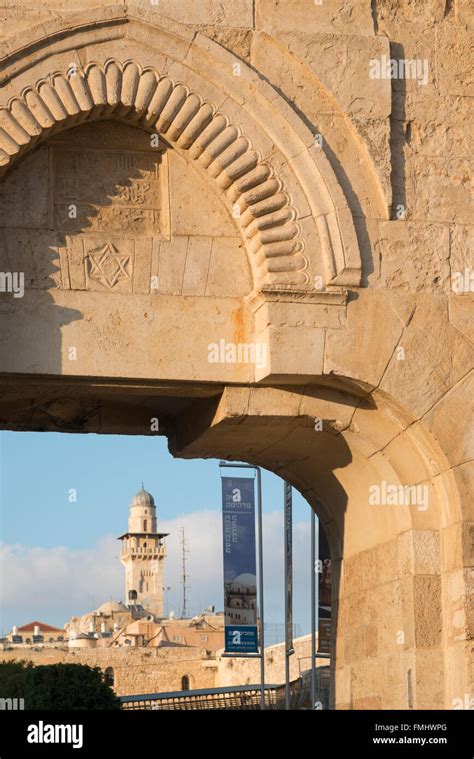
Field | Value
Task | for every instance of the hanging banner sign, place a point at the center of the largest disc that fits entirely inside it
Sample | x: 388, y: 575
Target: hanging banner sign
x: 325, y: 593
x: 240, y: 565
x: 289, y: 567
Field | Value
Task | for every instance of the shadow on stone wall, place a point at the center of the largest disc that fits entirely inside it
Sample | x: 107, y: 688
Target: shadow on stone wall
x: 72, y: 215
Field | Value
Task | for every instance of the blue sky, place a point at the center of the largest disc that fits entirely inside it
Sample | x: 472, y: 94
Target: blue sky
x: 46, y: 535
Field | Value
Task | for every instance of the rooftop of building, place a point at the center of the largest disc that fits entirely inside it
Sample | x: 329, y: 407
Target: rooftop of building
x: 43, y: 627
x: 111, y: 607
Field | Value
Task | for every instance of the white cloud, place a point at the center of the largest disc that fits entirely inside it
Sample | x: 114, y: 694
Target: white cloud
x: 52, y: 584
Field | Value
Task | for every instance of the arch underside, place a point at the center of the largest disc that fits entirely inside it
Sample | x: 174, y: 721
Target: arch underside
x: 396, y: 622
x: 392, y: 565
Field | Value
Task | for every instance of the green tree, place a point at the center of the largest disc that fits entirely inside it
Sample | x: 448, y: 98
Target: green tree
x: 57, y: 686
x: 12, y: 678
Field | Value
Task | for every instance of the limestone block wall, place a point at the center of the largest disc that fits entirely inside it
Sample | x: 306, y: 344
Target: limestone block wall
x: 136, y: 671
x: 247, y: 671
x: 160, y: 670
x: 399, y: 150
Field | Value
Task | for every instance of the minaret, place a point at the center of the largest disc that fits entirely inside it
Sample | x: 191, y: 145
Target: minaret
x: 143, y: 556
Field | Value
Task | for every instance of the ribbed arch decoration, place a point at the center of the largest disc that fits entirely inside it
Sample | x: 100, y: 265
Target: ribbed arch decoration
x: 141, y: 97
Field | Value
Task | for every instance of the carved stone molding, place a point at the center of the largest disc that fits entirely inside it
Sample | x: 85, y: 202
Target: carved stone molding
x: 142, y: 97
x: 319, y: 243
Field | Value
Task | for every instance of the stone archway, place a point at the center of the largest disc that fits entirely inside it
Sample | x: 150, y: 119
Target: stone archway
x: 394, y: 583
x: 141, y: 354
x: 390, y: 568
x: 72, y: 88
x: 141, y: 97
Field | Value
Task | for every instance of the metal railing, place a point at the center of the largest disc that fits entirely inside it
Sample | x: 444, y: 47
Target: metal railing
x: 232, y: 697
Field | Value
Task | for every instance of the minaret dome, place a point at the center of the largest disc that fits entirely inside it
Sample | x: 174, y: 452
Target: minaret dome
x: 142, y: 517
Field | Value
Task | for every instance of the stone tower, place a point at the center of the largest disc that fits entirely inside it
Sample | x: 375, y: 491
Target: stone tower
x: 143, y: 555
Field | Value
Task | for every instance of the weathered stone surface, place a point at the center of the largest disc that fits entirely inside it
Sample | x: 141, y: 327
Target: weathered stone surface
x: 465, y: 13
x: 464, y: 476
x: 24, y: 194
x: 228, y: 268
x: 435, y: 357
x: 461, y: 314
x: 197, y: 210
x: 450, y: 199
x: 452, y: 418
x: 308, y: 15
x: 337, y: 60
x: 404, y: 11
x: 414, y: 257
x: 171, y: 265
x: 134, y: 669
x: 461, y: 250
x: 438, y: 124
x: 307, y: 361
x: 365, y: 348
x: 229, y: 13
x: 426, y: 552
x: 454, y: 55
x: 428, y: 621
x: 274, y: 188
x: 197, y: 265
x: 428, y: 682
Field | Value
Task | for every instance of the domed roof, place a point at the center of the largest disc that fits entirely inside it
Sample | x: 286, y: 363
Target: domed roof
x: 110, y: 606
x: 246, y: 579
x: 143, y: 498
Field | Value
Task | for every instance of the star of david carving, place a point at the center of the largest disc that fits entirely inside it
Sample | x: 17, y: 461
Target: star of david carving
x: 108, y: 266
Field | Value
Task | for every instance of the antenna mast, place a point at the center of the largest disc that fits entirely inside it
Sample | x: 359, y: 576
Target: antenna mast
x: 184, y: 576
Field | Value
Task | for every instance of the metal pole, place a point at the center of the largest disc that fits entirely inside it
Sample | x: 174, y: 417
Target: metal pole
x: 313, y: 609
x: 287, y: 539
x: 260, y: 589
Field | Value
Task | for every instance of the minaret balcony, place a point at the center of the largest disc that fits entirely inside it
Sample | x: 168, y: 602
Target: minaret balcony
x: 144, y: 552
